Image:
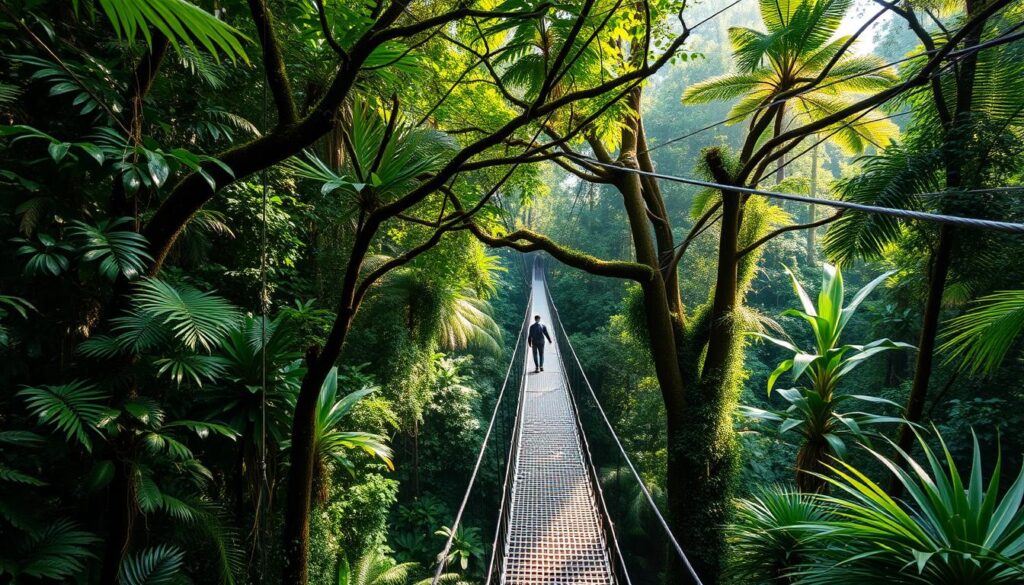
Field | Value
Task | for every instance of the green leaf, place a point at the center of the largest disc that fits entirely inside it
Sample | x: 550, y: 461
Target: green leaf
x: 58, y: 551
x: 58, y: 150
x: 159, y: 565
x: 77, y: 409
x: 196, y: 319
x: 99, y: 476
x: 181, y: 22
x: 344, y: 572
x: 117, y: 251
x: 158, y: 169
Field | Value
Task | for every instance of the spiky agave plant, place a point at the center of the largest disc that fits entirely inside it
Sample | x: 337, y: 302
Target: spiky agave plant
x: 950, y: 530
x: 814, y: 408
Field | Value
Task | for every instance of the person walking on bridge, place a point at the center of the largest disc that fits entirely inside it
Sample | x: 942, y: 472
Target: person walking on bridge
x: 535, y: 339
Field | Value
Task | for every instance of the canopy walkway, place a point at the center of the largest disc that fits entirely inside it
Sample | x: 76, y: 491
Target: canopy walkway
x: 556, y: 518
x: 554, y: 531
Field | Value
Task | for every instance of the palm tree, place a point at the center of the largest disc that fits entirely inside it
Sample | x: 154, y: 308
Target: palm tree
x: 813, y: 410
x: 443, y: 309
x: 799, y: 49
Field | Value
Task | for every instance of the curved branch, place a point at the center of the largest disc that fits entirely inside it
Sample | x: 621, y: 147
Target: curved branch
x: 526, y: 240
x: 789, y: 228
x: 326, y: 27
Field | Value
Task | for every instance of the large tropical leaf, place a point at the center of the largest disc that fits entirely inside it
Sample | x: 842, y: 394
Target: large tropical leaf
x: 197, y: 319
x: 118, y: 251
x: 181, y: 22
x: 76, y: 409
x: 159, y: 565
x: 58, y: 551
x: 981, y: 337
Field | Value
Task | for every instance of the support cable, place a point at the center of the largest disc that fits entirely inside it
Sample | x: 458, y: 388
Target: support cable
x: 1002, y: 226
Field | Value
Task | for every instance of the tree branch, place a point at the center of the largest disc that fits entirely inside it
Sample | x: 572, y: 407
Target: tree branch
x: 426, y: 24
x: 273, y: 62
x: 789, y: 228
x: 526, y: 240
x: 326, y: 27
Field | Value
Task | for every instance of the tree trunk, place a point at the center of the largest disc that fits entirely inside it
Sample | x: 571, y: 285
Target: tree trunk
x: 298, y: 501
x: 929, y: 330
x: 707, y: 440
x: 957, y: 131
x: 809, y: 462
x: 811, y: 211
x: 297, y: 507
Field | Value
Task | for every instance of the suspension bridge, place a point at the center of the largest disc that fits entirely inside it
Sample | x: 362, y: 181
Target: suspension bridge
x: 561, y: 512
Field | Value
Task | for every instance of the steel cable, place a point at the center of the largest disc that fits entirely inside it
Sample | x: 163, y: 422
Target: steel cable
x: 1003, y: 226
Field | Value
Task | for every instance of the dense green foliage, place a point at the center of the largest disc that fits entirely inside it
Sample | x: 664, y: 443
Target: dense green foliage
x: 265, y: 263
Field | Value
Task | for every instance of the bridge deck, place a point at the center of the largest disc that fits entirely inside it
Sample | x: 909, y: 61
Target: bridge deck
x: 554, y: 533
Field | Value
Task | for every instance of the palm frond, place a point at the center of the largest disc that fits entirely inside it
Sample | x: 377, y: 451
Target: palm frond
x: 58, y: 551
x: 159, y: 565
x: 118, y: 251
x: 981, y: 337
x: 891, y: 179
x: 181, y: 22
x: 190, y: 366
x: 76, y: 409
x: 724, y: 87
x: 196, y: 318
x: 8, y: 93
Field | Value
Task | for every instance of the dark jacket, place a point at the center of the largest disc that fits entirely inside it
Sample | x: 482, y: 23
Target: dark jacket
x: 537, y: 334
